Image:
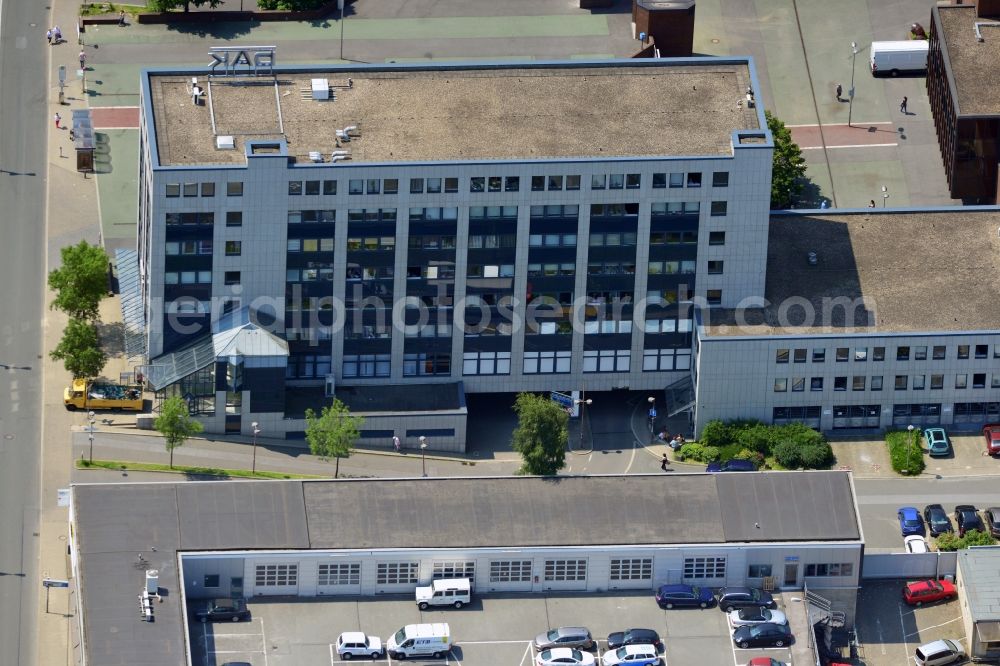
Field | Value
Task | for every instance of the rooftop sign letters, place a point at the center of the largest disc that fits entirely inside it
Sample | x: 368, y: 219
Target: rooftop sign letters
x: 254, y: 60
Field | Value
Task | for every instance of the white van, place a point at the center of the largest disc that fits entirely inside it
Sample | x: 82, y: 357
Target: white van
x: 893, y: 58
x: 416, y: 640
x: 445, y: 592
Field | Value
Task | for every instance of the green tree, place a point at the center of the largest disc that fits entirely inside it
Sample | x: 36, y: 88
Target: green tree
x: 167, y: 5
x: 541, y: 435
x: 175, y: 424
x: 788, y: 166
x: 81, y: 281
x: 949, y: 541
x: 331, y: 433
x: 80, y: 350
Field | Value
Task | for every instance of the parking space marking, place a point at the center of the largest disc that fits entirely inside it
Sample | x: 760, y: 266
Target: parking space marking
x: 902, y: 631
x: 914, y: 633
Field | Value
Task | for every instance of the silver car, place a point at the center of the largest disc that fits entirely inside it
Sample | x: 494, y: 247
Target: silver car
x: 569, y: 637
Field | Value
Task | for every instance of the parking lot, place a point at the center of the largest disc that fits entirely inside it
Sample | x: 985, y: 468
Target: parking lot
x: 492, y: 631
x: 889, y: 630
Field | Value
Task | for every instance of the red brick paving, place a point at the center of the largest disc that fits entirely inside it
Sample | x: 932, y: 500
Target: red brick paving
x: 115, y: 117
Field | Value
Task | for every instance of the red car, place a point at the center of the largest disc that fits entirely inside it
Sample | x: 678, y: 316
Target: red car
x: 925, y: 591
x: 991, y: 431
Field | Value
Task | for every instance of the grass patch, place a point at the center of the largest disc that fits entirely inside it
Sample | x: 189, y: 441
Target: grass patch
x: 904, y: 452
x: 101, y: 8
x: 126, y: 466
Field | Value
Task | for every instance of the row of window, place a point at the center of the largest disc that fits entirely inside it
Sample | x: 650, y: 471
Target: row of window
x: 516, y: 571
x: 233, y: 189
x: 900, y: 382
x: 903, y: 353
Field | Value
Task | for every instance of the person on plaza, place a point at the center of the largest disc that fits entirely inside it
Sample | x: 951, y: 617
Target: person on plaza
x: 871, y: 204
x: 395, y: 443
x: 121, y: 19
x: 83, y: 60
x: 840, y: 92
x: 664, y: 462
x: 902, y: 107
x: 56, y: 35
x: 48, y: 36
x: 58, y: 120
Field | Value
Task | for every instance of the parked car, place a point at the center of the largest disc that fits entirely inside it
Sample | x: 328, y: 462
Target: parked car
x: 939, y: 652
x: 632, y: 655
x: 762, y: 635
x: 922, y: 592
x: 352, y: 644
x: 915, y: 544
x: 910, y: 521
x: 992, y: 516
x: 634, y: 637
x: 565, y: 637
x: 744, y: 597
x: 735, y: 465
x: 765, y: 661
x: 937, y: 519
x: 564, y: 656
x: 991, y: 431
x: 684, y: 596
x: 221, y: 610
x: 967, y: 518
x: 937, y: 442
x: 743, y: 616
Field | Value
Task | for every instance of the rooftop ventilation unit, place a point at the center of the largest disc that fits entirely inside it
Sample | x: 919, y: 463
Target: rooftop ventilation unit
x: 225, y: 143
x: 321, y: 89
x: 315, y: 156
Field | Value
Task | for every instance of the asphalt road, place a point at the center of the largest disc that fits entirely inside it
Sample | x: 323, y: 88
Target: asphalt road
x: 23, y: 110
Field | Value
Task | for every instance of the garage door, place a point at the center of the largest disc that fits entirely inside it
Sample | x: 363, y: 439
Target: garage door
x: 631, y: 573
x: 339, y: 578
x: 396, y: 577
x: 276, y: 579
x: 510, y: 575
x: 566, y: 574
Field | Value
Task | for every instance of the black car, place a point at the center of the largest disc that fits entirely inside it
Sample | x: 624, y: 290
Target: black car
x: 221, y: 610
x: 762, y: 635
x: 967, y: 518
x: 634, y: 637
x: 744, y: 597
x: 937, y: 519
x: 993, y: 520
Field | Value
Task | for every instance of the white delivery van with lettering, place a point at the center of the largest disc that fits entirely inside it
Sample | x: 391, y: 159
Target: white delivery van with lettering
x: 894, y: 58
x: 416, y: 640
x: 445, y: 592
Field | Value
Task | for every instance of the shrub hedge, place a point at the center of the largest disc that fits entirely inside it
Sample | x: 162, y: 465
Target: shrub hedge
x: 905, y: 453
x: 791, y: 446
x: 951, y: 541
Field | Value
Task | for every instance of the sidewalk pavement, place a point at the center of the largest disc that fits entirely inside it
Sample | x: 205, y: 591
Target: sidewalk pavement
x: 72, y: 214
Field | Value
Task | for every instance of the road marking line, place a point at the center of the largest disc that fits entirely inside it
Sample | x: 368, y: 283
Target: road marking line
x: 263, y: 640
x: 902, y: 631
x: 859, y: 145
x: 853, y: 125
x: 491, y: 642
x: 236, y: 652
x: 935, y: 626
x: 331, y: 655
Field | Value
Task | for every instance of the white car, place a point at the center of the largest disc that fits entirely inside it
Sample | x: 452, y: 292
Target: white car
x: 564, y: 657
x: 754, y: 615
x: 916, y: 544
x: 632, y: 655
x: 352, y: 644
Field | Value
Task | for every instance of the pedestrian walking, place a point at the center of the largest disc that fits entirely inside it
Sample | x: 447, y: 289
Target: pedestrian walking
x: 83, y: 60
x: 840, y: 92
x: 395, y: 443
x: 871, y: 204
x: 48, y: 36
x: 902, y: 106
x: 664, y: 463
x: 56, y: 35
x: 121, y: 19
x: 58, y: 120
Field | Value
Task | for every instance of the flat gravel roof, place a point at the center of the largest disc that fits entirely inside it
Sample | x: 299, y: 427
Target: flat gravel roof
x: 974, y: 65
x: 461, y: 113
x: 915, y: 271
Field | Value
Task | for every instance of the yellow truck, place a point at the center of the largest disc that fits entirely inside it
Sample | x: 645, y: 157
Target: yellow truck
x: 88, y: 394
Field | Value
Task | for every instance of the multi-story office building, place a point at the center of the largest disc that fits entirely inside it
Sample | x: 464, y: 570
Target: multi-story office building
x: 510, y: 227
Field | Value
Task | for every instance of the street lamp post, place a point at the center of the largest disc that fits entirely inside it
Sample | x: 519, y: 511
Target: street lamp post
x: 850, y: 93
x: 582, y: 402
x: 423, y: 455
x: 256, y: 429
x: 343, y: 6
x: 652, y: 417
x: 909, y: 451
x: 90, y: 434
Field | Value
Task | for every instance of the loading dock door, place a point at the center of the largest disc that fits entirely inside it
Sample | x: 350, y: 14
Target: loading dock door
x: 276, y: 579
x: 510, y: 576
x: 565, y: 574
